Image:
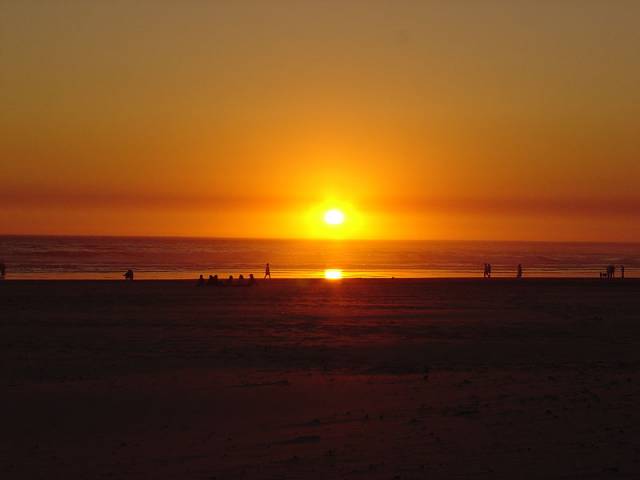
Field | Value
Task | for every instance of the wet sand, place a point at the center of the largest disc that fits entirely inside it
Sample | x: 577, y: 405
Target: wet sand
x: 317, y: 379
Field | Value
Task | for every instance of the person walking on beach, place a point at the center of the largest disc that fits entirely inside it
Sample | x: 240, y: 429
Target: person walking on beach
x: 519, y: 274
x: 267, y: 271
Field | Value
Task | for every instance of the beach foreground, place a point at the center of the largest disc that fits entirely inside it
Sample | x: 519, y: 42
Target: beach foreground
x: 319, y: 379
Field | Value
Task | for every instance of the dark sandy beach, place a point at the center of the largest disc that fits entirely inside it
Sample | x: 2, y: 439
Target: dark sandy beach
x: 317, y: 379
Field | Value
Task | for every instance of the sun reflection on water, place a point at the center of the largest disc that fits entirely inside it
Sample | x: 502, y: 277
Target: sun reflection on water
x: 333, y: 274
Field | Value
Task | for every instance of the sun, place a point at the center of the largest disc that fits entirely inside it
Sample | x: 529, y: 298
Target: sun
x: 334, y: 217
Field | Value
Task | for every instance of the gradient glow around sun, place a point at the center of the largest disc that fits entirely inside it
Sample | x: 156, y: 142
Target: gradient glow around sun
x: 334, y: 217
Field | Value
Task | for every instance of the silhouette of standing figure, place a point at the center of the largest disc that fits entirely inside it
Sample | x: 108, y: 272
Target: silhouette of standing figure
x: 486, y: 270
x: 267, y: 271
x: 201, y: 281
x: 621, y: 272
x: 489, y: 270
x: 519, y: 274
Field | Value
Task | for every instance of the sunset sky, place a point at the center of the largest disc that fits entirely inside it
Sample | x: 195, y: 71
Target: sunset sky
x: 420, y: 120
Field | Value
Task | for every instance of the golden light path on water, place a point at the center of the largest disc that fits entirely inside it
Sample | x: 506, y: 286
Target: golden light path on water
x: 333, y: 274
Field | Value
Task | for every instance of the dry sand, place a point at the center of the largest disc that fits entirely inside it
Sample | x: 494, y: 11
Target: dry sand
x: 316, y: 379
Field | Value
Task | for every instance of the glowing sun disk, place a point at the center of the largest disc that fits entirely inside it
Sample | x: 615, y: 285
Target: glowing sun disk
x: 334, y: 217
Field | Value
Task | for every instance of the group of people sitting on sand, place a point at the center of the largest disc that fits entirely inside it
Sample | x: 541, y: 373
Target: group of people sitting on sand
x: 213, y: 279
x: 216, y: 282
x: 610, y: 272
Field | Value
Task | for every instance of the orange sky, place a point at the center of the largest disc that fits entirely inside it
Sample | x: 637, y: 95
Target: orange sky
x: 461, y: 120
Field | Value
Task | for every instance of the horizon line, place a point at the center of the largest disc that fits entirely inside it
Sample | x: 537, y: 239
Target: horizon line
x: 207, y: 237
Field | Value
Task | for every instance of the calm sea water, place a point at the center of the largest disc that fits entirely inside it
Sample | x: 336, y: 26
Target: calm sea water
x: 108, y: 257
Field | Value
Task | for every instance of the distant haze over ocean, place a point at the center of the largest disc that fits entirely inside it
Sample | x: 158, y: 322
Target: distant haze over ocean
x: 159, y: 257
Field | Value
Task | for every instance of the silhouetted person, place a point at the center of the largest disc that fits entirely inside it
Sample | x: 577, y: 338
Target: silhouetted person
x: 267, y: 271
x: 230, y: 280
x: 241, y: 279
x: 252, y: 280
x: 611, y: 272
x: 3, y: 270
x: 487, y: 270
x: 128, y: 275
x: 200, y: 281
x: 213, y: 280
x: 519, y: 274
x: 622, y: 272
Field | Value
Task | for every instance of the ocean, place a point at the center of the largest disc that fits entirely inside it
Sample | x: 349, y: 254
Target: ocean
x: 49, y: 257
